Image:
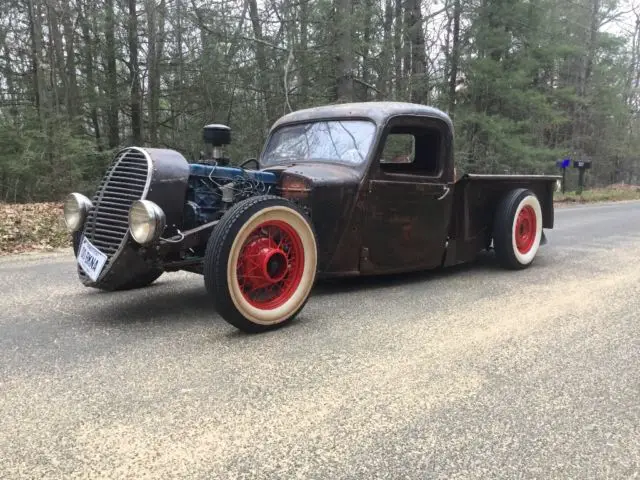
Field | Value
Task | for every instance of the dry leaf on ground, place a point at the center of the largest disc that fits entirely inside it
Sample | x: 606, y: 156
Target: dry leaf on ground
x: 32, y: 227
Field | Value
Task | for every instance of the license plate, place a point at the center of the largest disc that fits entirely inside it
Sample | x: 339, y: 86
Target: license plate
x: 90, y: 259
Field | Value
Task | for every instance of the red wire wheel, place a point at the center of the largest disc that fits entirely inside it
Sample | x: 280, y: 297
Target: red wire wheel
x: 526, y: 229
x: 261, y: 262
x: 270, y: 265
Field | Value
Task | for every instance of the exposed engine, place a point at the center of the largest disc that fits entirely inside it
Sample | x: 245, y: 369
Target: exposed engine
x: 214, y: 186
x: 213, y: 189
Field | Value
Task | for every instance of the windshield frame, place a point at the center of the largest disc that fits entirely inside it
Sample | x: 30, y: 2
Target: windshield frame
x: 359, y: 166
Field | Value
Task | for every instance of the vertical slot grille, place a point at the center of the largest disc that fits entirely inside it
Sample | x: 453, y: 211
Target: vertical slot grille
x: 126, y: 180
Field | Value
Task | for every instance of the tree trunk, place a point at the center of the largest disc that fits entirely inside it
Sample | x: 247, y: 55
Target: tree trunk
x: 302, y: 54
x: 454, y: 58
x: 156, y: 19
x: 580, y: 135
x: 73, y: 101
x: 177, y: 97
x: 261, y: 61
x: 593, y: 38
x: 344, y: 52
x: 11, y: 89
x: 151, y: 63
x: 89, y: 53
x: 112, y: 77
x: 56, y: 62
x: 35, y: 30
x: 134, y: 75
x: 387, y: 50
x: 365, y: 49
x: 397, y: 50
x: 407, y: 44
x: 420, y: 80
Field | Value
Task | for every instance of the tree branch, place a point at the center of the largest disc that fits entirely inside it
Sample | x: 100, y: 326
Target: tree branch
x: 368, y: 85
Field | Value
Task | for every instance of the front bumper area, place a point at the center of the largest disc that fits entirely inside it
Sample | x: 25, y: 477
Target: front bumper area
x: 130, y: 263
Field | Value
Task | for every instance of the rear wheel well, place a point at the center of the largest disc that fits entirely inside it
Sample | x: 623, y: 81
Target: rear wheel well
x: 477, y: 199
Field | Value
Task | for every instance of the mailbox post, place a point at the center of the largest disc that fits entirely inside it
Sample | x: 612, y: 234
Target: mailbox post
x: 581, y: 165
x: 563, y: 164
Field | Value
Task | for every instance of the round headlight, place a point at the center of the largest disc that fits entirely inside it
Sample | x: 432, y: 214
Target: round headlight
x: 76, y: 207
x: 146, y: 221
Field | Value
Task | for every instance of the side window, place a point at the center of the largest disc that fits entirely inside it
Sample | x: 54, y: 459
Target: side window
x: 412, y: 150
x: 398, y: 148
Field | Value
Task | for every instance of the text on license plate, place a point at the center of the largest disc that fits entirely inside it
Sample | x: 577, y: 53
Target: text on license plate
x: 90, y: 259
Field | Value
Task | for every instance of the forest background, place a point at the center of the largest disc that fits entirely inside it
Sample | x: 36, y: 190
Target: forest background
x: 527, y: 82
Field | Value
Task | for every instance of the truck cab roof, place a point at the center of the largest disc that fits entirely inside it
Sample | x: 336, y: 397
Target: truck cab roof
x: 378, y: 112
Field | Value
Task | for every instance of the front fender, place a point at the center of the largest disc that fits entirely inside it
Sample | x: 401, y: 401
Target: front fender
x: 330, y: 203
x: 169, y: 181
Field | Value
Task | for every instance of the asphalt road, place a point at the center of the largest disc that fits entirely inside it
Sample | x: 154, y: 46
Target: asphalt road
x: 472, y: 372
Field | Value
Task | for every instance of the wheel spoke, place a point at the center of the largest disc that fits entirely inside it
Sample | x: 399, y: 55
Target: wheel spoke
x: 269, y: 266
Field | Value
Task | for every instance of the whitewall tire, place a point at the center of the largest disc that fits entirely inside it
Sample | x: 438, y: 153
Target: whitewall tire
x: 517, y: 230
x: 260, y: 264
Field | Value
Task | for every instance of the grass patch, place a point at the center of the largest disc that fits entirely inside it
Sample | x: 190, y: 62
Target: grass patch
x: 32, y: 227
x: 613, y: 193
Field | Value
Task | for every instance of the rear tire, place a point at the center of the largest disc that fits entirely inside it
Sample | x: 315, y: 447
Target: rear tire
x: 260, y: 263
x: 517, y: 230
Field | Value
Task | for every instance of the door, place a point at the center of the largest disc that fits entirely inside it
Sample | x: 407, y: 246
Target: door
x: 409, y: 200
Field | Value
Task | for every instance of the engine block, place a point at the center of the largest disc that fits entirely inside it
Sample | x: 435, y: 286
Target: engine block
x: 212, y: 189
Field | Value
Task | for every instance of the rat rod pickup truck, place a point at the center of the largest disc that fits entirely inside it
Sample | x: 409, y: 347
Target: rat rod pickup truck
x: 348, y: 189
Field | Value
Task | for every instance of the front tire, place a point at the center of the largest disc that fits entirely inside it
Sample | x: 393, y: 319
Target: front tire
x: 260, y: 263
x: 517, y: 229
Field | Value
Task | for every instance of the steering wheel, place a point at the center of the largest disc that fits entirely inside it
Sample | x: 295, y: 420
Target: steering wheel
x: 249, y: 160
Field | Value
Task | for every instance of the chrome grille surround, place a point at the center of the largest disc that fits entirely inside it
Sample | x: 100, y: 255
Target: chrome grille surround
x: 126, y: 180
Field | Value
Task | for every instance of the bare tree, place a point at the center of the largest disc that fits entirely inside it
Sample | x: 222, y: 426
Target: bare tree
x: 113, y: 125
x: 343, y: 51
x: 134, y: 75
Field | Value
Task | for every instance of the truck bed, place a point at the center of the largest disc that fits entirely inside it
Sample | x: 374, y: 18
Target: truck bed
x: 474, y: 204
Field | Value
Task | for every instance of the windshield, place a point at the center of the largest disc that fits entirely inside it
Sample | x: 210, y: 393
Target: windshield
x: 346, y: 141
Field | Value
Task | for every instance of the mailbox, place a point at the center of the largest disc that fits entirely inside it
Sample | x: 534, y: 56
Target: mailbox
x: 582, y: 164
x: 563, y: 165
